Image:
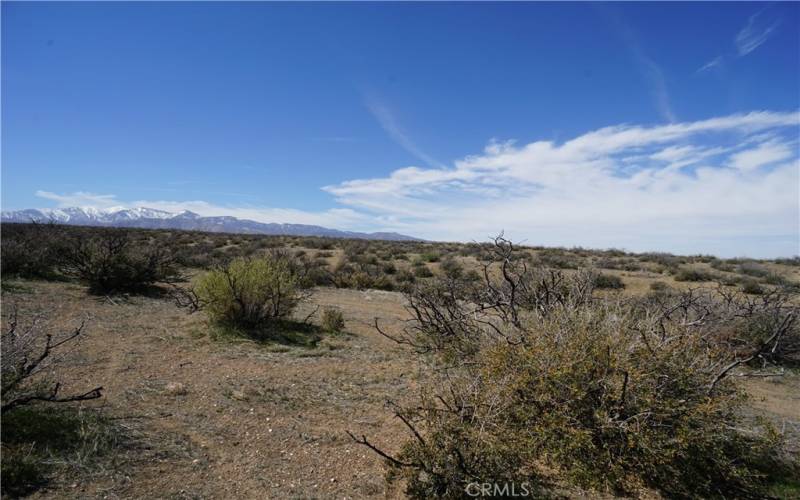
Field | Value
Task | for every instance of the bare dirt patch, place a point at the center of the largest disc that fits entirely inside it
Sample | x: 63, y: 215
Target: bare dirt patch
x: 228, y: 418
x: 233, y: 418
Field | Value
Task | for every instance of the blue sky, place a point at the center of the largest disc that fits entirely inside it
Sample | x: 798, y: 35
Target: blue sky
x: 643, y: 126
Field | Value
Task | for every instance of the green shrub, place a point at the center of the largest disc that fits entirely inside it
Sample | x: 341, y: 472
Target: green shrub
x: 532, y: 377
x: 608, y: 281
x: 332, y: 320
x: 692, y: 274
x: 582, y: 397
x: 250, y: 292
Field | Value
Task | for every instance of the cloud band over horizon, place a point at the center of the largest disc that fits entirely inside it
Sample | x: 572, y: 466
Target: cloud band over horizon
x: 727, y: 185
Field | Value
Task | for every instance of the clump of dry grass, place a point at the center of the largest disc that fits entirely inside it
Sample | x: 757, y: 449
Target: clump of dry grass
x: 332, y: 320
x: 41, y: 442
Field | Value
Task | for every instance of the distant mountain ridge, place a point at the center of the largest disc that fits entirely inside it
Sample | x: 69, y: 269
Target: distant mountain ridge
x: 150, y: 218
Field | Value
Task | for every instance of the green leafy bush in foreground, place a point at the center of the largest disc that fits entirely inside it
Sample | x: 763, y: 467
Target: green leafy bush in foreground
x: 251, y: 292
x: 535, y: 381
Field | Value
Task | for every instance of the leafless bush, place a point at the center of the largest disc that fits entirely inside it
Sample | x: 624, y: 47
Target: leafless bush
x: 757, y: 330
x: 110, y: 261
x: 27, y: 352
x: 29, y: 250
x: 453, y: 313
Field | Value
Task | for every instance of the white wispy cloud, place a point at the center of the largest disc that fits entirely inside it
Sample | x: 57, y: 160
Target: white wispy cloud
x: 726, y: 185
x: 764, y: 154
x: 389, y: 124
x: 649, y: 68
x: 80, y: 199
x: 714, y: 63
x: 757, y: 31
x: 337, y: 138
x: 658, y: 85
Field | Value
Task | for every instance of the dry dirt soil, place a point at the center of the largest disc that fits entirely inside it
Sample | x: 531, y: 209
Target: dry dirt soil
x: 208, y: 417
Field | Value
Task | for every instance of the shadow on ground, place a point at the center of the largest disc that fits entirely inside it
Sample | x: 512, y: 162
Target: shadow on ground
x: 38, y: 439
x: 285, y: 332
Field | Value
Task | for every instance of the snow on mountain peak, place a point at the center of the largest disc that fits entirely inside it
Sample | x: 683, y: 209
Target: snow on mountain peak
x: 144, y: 217
x: 91, y: 214
x: 142, y: 213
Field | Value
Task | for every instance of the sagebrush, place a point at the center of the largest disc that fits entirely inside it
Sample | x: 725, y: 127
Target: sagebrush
x: 536, y: 380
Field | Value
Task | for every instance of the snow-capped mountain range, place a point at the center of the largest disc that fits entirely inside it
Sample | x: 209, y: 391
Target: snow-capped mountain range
x: 151, y: 218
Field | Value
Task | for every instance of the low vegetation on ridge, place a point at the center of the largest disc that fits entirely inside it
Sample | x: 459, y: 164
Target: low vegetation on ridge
x: 569, y: 371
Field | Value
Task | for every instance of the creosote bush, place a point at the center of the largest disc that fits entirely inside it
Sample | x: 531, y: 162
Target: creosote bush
x: 533, y: 379
x: 251, y: 292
